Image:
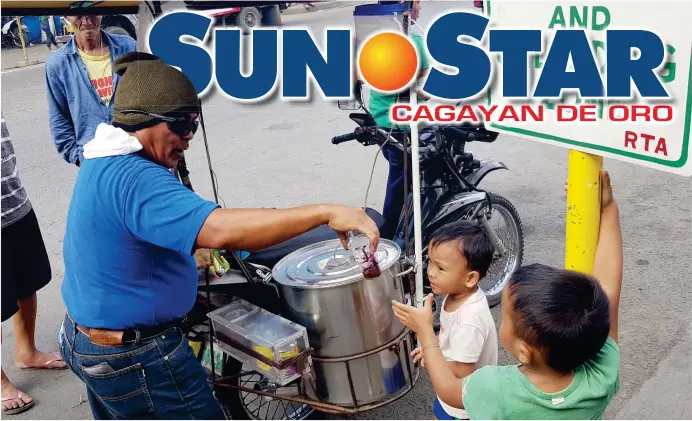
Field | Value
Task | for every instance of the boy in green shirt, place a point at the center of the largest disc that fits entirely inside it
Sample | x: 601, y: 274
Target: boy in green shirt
x: 561, y: 326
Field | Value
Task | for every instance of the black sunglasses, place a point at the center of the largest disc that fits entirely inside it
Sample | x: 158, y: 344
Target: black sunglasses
x: 181, y: 126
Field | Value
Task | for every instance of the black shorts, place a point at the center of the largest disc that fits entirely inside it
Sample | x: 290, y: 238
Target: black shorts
x: 25, y: 264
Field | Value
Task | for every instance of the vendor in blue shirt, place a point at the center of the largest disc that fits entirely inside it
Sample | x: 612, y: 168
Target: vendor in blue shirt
x: 132, y: 229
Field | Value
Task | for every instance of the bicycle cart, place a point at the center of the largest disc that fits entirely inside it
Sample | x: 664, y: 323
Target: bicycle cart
x: 312, y: 334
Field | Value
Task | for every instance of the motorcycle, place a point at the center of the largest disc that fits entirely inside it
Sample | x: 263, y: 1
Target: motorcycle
x: 450, y: 179
x: 10, y: 33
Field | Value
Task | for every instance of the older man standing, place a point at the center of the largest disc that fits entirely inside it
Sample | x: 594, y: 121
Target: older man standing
x: 80, y: 83
x: 132, y: 228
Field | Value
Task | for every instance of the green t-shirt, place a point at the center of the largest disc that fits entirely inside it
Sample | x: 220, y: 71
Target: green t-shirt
x: 504, y: 393
x: 379, y: 103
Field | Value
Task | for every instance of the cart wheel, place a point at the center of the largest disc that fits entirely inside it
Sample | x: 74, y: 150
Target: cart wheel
x: 244, y: 405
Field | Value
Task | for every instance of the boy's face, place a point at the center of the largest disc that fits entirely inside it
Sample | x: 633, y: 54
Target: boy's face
x: 448, y: 271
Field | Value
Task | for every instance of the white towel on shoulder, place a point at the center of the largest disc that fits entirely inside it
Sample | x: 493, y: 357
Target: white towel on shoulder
x: 111, y: 141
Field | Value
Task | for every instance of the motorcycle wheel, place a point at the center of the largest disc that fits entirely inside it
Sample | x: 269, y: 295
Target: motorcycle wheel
x: 512, y: 236
x: 240, y: 405
x: 16, y: 41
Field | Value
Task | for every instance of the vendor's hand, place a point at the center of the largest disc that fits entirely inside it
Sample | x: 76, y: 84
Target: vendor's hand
x: 417, y: 355
x: 203, y: 258
x: 343, y: 219
x: 417, y: 319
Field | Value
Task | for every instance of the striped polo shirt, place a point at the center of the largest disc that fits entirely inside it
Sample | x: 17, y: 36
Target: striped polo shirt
x: 15, y: 202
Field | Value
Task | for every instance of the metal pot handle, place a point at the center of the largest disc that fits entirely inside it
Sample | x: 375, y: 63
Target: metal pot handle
x: 406, y: 272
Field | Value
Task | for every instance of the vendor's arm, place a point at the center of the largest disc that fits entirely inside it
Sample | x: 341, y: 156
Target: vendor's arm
x: 256, y: 229
x: 160, y: 210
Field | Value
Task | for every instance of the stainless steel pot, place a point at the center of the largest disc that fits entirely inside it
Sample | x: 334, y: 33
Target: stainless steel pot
x: 346, y: 315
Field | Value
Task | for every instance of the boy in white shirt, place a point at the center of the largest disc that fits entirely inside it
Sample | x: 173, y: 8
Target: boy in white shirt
x: 459, y: 255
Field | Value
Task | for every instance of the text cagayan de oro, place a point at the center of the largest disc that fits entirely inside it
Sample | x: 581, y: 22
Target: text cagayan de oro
x: 564, y: 113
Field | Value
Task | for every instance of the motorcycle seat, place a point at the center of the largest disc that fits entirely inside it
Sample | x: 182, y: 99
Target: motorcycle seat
x: 271, y: 256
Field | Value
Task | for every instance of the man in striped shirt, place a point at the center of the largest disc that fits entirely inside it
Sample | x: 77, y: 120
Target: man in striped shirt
x: 25, y: 270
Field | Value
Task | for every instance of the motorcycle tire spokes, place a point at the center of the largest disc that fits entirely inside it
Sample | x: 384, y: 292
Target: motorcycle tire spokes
x: 506, y: 225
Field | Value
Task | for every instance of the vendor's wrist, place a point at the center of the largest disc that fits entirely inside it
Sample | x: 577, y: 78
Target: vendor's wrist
x: 324, y: 213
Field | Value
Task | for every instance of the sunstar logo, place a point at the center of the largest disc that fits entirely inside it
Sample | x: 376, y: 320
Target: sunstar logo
x: 291, y: 60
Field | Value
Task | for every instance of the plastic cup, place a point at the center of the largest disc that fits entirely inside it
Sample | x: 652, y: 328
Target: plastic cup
x: 360, y: 248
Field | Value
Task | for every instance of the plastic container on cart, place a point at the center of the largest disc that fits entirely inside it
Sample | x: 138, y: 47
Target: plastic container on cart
x: 266, y: 333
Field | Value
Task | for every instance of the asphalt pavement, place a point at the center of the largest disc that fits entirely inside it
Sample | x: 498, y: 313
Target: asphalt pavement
x: 278, y: 154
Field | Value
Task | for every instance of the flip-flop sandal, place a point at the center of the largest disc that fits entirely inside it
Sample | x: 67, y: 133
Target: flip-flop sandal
x: 18, y: 410
x: 45, y: 365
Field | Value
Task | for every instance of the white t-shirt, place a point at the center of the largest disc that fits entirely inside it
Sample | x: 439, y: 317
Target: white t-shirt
x: 468, y: 335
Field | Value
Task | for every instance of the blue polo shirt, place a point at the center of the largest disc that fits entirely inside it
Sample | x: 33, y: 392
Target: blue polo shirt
x: 128, y: 249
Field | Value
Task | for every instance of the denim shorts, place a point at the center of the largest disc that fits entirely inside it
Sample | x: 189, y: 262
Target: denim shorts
x: 440, y: 413
x: 157, y: 378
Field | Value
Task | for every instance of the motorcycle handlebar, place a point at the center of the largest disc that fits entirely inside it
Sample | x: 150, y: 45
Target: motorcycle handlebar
x: 344, y: 138
x: 373, y: 139
x: 456, y: 134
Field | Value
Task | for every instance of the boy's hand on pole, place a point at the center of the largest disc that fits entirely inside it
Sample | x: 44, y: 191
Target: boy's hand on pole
x: 606, y: 191
x: 607, y: 198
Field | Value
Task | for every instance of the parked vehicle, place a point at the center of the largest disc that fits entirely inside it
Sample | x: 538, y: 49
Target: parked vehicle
x: 120, y: 25
x: 10, y: 33
x: 246, y: 15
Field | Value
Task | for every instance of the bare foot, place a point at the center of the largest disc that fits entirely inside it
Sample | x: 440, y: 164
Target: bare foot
x: 13, y: 399
x: 41, y: 360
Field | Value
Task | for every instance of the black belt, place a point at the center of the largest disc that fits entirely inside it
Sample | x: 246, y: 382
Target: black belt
x: 131, y: 336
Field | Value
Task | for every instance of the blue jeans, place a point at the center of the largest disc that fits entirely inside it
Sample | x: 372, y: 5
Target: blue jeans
x: 159, y: 378
x: 394, y: 197
x: 50, y: 38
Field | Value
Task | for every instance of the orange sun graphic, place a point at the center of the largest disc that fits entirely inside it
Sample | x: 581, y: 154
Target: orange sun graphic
x: 388, y: 61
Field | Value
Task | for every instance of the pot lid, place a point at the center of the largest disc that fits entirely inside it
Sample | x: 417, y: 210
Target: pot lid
x: 323, y: 265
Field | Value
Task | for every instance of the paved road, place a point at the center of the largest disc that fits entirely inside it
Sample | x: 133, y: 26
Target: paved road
x: 278, y: 154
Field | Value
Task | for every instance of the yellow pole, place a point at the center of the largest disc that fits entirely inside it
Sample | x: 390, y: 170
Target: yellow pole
x: 21, y: 38
x: 583, y: 210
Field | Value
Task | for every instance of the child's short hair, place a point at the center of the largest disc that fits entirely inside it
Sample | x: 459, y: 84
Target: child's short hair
x: 563, y: 313
x: 475, y: 244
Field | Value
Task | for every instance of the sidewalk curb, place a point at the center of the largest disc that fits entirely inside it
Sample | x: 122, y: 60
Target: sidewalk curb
x: 299, y: 9
x: 22, y: 64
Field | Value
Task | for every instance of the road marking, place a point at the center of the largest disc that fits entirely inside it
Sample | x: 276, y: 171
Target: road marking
x: 18, y: 69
